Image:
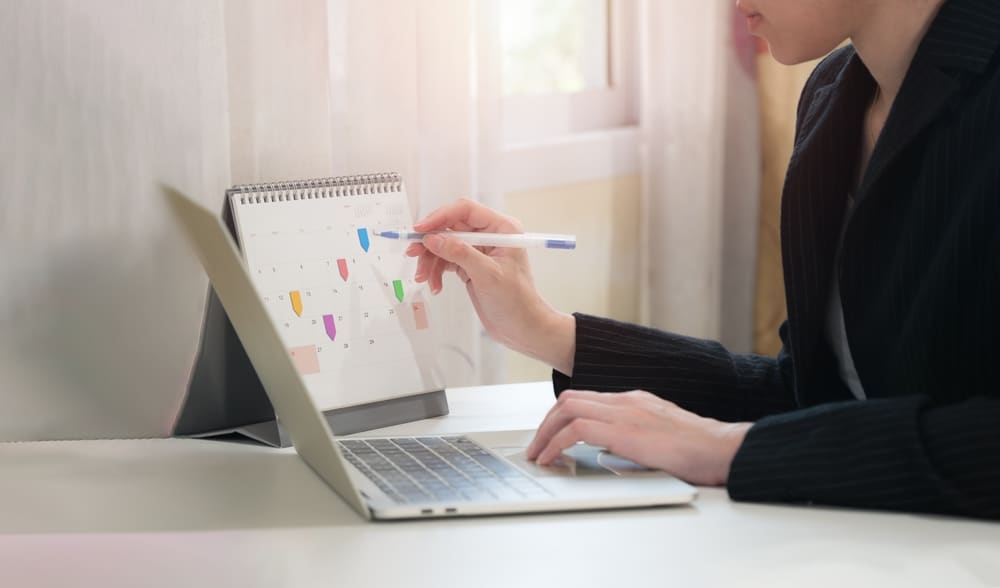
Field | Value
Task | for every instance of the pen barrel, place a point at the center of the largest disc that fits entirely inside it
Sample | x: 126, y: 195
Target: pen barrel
x: 520, y: 240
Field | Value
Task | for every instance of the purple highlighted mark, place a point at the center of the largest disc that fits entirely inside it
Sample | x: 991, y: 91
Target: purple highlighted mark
x: 331, y: 327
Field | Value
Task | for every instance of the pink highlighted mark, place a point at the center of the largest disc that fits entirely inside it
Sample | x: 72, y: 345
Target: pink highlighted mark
x: 331, y: 327
x: 420, y: 315
x: 342, y: 266
x: 305, y: 359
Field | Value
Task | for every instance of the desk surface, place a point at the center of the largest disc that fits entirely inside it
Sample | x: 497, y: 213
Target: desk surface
x: 172, y: 512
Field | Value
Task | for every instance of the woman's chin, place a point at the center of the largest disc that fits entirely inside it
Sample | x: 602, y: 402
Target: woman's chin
x: 794, y: 56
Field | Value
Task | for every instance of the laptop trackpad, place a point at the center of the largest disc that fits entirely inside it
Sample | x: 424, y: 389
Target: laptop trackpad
x: 579, y: 460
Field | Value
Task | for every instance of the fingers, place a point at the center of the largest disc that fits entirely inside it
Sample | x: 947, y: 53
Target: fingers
x: 643, y: 428
x: 467, y: 215
x: 415, y: 249
x: 581, y: 415
x: 436, y: 277
x: 437, y: 254
x: 564, y: 414
x: 425, y: 263
x: 477, y: 265
x: 431, y: 268
x: 593, y: 432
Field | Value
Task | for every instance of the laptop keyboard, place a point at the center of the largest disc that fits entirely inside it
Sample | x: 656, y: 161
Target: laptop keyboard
x: 432, y: 469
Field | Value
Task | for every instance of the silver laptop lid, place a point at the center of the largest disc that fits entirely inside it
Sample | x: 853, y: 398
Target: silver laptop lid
x: 284, y: 386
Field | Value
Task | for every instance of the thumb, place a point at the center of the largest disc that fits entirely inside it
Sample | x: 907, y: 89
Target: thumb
x: 476, y: 264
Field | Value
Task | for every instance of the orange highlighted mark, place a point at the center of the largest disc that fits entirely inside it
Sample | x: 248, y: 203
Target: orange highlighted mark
x: 296, y: 301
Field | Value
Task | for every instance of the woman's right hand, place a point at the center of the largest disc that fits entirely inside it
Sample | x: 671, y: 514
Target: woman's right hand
x: 498, y: 281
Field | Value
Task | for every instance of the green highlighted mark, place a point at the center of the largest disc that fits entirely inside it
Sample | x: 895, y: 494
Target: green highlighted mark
x: 397, y: 285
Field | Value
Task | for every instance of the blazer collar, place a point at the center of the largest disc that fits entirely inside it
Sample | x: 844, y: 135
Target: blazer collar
x: 964, y: 36
x: 959, y: 45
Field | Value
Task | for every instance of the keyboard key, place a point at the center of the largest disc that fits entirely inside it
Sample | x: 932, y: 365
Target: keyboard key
x: 437, y: 468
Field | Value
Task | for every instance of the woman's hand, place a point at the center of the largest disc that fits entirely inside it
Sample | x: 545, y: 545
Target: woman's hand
x: 498, y: 281
x: 643, y: 428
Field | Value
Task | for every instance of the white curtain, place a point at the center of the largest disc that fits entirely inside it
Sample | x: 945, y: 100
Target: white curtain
x: 403, y: 99
x: 333, y: 87
x: 700, y: 170
x: 101, y: 303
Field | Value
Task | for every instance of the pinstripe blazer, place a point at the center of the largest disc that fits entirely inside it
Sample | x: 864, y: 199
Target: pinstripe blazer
x: 919, y: 275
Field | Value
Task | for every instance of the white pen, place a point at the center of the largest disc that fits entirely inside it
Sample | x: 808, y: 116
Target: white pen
x: 547, y: 240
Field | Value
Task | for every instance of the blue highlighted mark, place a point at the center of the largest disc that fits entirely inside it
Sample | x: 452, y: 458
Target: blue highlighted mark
x: 363, y: 237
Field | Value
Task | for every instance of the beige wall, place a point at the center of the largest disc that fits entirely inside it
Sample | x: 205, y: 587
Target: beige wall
x: 779, y: 87
x: 601, y: 276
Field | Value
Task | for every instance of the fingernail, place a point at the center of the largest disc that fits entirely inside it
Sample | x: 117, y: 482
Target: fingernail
x: 420, y: 277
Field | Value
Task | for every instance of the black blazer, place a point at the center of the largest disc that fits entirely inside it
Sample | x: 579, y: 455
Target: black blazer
x: 919, y: 276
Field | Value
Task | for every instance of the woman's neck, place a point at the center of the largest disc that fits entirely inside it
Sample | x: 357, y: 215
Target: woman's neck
x: 888, y: 39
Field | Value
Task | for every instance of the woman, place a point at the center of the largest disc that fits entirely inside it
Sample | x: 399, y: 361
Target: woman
x: 886, y: 393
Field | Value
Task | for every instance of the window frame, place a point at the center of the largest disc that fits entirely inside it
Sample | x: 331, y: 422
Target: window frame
x: 534, y: 118
x: 604, y: 140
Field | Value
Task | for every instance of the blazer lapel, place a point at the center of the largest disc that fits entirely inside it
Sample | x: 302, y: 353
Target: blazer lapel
x: 820, y: 176
x: 925, y: 92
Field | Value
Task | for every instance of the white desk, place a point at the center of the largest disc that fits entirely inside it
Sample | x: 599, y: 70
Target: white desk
x: 175, y: 512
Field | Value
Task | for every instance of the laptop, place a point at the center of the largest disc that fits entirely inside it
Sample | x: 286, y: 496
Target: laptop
x: 389, y: 478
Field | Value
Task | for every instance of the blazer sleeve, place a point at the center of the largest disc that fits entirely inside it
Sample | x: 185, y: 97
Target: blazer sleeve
x: 699, y: 375
x: 895, y: 454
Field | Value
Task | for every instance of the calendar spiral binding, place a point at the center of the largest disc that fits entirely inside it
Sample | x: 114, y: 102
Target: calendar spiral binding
x: 318, y: 188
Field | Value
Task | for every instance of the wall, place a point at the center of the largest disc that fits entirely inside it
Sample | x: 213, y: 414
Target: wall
x: 601, y: 276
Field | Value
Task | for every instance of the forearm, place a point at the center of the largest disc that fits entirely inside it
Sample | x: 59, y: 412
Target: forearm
x: 553, y: 342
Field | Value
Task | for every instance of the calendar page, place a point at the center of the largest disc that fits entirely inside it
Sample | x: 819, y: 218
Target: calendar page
x: 356, y: 324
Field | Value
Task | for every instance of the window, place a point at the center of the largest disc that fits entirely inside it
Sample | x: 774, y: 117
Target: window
x: 568, y: 66
x: 555, y: 46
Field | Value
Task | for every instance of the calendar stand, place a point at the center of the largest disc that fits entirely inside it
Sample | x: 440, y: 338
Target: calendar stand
x: 225, y: 397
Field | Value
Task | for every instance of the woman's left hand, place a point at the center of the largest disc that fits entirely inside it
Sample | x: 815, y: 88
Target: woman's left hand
x: 644, y: 428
